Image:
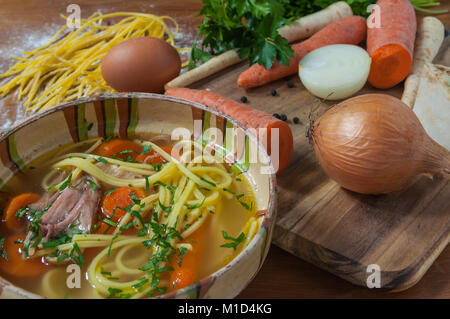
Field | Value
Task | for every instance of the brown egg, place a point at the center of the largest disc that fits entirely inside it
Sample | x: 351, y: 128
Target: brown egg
x: 141, y: 65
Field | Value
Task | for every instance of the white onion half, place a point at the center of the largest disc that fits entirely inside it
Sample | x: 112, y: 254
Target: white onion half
x: 335, y: 71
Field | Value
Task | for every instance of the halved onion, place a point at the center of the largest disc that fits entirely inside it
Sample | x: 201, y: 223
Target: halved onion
x: 335, y: 71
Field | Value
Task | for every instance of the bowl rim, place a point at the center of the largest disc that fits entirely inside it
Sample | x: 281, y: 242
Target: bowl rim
x: 268, y: 219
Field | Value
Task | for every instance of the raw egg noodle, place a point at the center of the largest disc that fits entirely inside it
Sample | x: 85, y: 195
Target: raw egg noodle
x: 68, y: 67
x: 186, y: 195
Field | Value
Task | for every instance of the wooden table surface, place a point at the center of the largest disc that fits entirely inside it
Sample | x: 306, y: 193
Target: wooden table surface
x: 28, y: 24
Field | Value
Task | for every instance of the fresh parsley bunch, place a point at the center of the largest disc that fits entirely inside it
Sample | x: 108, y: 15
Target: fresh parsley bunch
x: 247, y: 25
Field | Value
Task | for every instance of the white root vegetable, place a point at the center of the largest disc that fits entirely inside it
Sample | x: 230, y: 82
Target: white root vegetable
x: 335, y: 72
x: 430, y: 34
x: 432, y: 105
x: 213, y: 65
x: 410, y: 89
x: 306, y: 26
x: 300, y: 29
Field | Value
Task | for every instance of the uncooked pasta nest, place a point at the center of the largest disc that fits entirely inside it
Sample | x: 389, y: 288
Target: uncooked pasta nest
x: 68, y: 66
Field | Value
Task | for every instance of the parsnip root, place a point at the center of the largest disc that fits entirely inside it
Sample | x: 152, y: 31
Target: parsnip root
x: 306, y: 26
x: 430, y: 35
x: 213, y: 65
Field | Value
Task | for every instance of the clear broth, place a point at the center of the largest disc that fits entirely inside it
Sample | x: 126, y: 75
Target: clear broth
x: 230, y: 216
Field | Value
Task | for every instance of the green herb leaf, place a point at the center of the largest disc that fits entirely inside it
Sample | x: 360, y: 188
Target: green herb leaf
x: 102, y: 159
x: 246, y: 206
x: 147, y: 149
x: 113, y: 292
x: 66, y: 183
x: 147, y: 184
x: 141, y: 283
x: 167, y: 209
x: 111, y: 243
x: 182, y: 252
x: 229, y: 191
x: 76, y: 256
x: 103, y: 272
x: 91, y: 182
x: 110, y: 222
x: 209, y: 182
x: 109, y: 192
x: 197, y: 205
x: 2, y: 250
x: 234, y: 242
x: 249, y: 26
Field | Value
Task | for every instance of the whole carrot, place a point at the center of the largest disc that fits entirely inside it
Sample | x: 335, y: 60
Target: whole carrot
x: 350, y: 30
x: 391, y: 43
x: 248, y: 116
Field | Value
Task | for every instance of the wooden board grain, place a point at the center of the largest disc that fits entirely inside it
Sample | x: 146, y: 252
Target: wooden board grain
x: 337, y: 230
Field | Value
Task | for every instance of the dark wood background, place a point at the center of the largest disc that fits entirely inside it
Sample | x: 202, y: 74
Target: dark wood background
x: 25, y: 24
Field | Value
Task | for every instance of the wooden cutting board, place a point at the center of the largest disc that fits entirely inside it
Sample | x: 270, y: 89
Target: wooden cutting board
x: 337, y: 230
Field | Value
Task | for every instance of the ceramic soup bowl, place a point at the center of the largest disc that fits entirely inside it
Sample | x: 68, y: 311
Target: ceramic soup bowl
x: 139, y: 114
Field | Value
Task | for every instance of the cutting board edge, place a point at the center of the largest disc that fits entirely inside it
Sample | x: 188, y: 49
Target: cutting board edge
x: 397, y: 280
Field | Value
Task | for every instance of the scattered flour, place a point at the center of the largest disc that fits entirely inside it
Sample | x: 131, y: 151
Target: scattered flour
x: 27, y: 39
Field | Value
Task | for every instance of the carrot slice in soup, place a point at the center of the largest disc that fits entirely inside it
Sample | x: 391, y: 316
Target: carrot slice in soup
x: 153, y: 156
x: 114, y: 203
x: 16, y: 203
x: 186, y: 273
x: 119, y: 148
x: 16, y: 265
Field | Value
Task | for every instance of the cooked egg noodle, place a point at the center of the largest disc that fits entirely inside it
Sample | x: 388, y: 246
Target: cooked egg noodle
x: 184, y: 194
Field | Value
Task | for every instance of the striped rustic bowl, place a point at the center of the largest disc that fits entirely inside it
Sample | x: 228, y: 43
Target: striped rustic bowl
x: 133, y: 115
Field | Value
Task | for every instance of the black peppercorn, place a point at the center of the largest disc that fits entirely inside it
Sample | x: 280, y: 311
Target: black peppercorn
x: 296, y: 120
x: 283, y: 117
x: 244, y: 99
x: 273, y: 92
x: 290, y: 85
x: 276, y: 115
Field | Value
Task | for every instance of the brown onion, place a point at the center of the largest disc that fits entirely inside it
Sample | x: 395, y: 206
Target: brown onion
x: 374, y: 144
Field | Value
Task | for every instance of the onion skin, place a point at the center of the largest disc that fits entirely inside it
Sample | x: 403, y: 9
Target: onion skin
x: 374, y: 144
